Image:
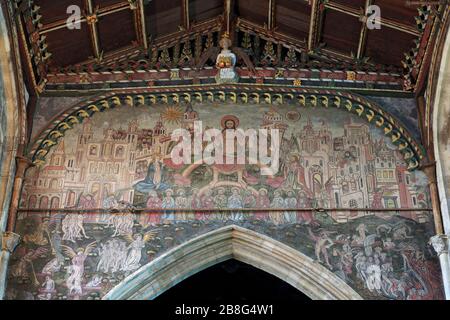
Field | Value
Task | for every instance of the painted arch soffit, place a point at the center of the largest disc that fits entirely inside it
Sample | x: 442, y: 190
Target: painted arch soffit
x: 232, y: 242
x: 365, y: 109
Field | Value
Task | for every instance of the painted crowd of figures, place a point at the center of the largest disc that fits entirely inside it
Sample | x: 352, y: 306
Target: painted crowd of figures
x: 380, y: 259
x: 225, y: 199
x: 387, y: 262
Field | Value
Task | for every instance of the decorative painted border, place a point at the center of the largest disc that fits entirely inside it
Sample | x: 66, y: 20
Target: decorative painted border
x: 253, y: 248
x: 412, y: 152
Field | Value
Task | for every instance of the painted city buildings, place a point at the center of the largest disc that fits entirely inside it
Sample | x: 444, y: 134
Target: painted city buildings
x: 323, y: 164
x: 120, y: 162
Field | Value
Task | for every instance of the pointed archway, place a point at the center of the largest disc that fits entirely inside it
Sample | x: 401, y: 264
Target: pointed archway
x: 439, y: 109
x: 231, y: 281
x: 233, y: 242
x: 12, y: 133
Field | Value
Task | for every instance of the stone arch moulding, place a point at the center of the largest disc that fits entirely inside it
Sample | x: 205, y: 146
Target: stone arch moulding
x: 13, y: 100
x: 233, y: 242
x: 8, y: 98
x: 441, y: 119
x: 413, y: 153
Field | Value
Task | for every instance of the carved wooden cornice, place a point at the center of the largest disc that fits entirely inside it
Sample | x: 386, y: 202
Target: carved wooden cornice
x: 433, y: 76
x: 147, y: 57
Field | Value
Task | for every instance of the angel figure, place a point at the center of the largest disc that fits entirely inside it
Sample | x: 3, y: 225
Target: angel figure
x: 136, y: 244
x: 226, y: 61
x: 75, y: 272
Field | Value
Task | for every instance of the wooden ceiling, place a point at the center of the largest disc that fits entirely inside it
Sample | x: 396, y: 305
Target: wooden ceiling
x: 335, y: 29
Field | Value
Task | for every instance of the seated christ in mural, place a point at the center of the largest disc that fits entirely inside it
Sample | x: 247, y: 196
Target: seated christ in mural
x: 228, y: 123
x: 230, y: 155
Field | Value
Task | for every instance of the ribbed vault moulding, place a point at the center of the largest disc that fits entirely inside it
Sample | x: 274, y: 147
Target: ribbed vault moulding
x: 233, y: 242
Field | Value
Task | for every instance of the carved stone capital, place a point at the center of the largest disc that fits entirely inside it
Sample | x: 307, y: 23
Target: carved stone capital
x: 430, y: 171
x: 439, y: 243
x: 10, y: 240
x: 22, y: 164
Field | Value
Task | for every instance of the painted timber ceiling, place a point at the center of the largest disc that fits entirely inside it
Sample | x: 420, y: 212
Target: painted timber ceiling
x: 145, y: 43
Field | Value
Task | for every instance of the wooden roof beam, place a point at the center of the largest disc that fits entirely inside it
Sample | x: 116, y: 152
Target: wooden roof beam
x: 363, y: 33
x: 275, y: 37
x: 384, y: 22
x: 185, y: 14
x: 140, y: 22
x: 227, y: 5
x: 60, y: 24
x: 315, y: 24
x: 92, y: 20
x: 271, y: 21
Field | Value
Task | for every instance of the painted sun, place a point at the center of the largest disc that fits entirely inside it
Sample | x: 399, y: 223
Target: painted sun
x: 172, y: 115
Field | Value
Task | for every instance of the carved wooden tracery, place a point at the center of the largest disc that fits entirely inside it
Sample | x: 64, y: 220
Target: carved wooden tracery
x: 194, y: 41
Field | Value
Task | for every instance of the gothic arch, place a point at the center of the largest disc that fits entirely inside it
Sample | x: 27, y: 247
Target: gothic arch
x: 12, y: 110
x: 441, y: 123
x: 233, y: 242
x: 9, y: 119
x: 438, y: 118
x: 12, y: 124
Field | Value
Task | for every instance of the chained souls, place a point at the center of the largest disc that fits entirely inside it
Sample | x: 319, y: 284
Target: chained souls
x: 230, y: 146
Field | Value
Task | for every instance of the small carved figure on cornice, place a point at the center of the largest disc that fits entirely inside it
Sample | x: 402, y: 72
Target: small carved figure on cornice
x: 226, y: 61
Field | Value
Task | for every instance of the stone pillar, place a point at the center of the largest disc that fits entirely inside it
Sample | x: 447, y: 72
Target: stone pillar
x: 10, y: 239
x: 9, y: 242
x: 22, y: 164
x: 440, y: 245
x: 430, y: 171
x: 440, y: 240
